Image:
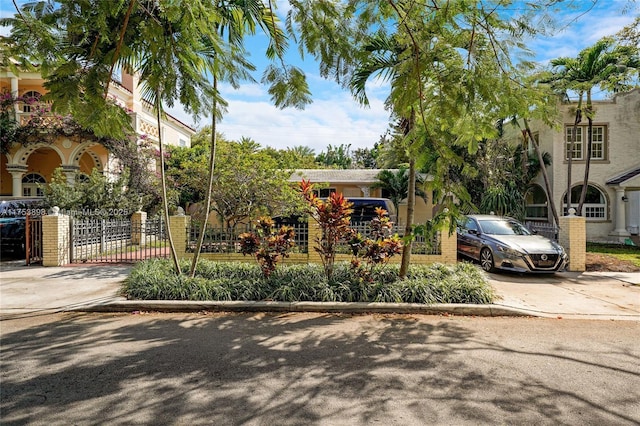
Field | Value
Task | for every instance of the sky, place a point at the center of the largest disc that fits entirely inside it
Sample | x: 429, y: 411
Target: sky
x: 334, y: 118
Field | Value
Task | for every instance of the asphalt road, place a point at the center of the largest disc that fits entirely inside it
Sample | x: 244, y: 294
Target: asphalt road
x: 317, y: 369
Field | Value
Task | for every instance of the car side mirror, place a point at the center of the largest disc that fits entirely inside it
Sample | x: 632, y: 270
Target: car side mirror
x: 474, y: 231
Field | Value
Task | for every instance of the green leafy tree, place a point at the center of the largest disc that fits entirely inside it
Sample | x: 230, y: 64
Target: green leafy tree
x: 248, y: 185
x: 366, y: 158
x: 94, y: 196
x: 248, y: 182
x: 338, y: 157
x: 297, y: 157
x: 185, y: 167
x: 176, y: 46
x: 451, y: 76
x: 79, y: 44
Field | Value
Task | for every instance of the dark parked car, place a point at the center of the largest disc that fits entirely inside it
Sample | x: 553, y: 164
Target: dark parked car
x: 364, y: 210
x: 13, y: 214
x: 506, y: 244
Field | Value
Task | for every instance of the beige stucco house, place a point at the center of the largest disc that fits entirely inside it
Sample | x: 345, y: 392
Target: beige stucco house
x: 612, y: 207
x: 24, y: 169
x: 359, y: 183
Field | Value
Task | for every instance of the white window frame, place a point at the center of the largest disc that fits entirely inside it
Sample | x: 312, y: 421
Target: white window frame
x: 598, y: 142
x: 577, y: 144
x: 598, y: 131
x: 590, y: 211
x: 536, y: 206
x: 32, y: 182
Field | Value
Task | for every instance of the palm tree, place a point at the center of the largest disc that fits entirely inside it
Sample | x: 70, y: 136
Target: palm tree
x: 397, y: 185
x: 173, y: 57
x: 603, y: 64
x: 238, y: 19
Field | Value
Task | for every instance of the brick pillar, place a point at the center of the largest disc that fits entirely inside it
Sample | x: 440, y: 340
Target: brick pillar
x: 179, y: 226
x: 55, y: 239
x: 573, y: 237
x: 315, y: 234
x: 448, y: 244
x: 138, y: 220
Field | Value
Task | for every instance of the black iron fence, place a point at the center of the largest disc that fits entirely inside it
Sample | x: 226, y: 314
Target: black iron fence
x: 117, y: 240
x: 545, y: 229
x: 226, y: 240
x: 421, y: 245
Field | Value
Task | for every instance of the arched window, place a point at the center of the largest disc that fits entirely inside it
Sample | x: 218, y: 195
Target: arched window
x: 595, y: 202
x: 536, y: 203
x: 30, y: 99
x: 32, y: 185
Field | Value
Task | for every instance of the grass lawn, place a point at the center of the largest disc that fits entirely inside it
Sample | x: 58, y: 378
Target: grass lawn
x: 624, y: 253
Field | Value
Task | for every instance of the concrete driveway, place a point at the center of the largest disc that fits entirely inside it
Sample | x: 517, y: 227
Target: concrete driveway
x: 586, y: 295
x: 36, y: 289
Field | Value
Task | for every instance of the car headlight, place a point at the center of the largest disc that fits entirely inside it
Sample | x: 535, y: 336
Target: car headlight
x: 558, y: 248
x: 509, y: 252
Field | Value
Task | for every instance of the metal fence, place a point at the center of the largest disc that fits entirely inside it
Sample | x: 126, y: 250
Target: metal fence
x: 33, y: 239
x: 421, y: 245
x: 117, y: 240
x: 226, y: 240
x: 545, y: 229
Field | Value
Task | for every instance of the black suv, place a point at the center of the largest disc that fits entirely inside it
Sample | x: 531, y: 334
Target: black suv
x: 13, y: 214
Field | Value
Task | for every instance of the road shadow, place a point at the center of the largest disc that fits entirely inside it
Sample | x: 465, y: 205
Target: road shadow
x: 276, y: 369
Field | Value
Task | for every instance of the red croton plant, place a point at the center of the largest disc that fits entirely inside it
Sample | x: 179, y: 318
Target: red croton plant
x: 267, y: 245
x: 333, y: 216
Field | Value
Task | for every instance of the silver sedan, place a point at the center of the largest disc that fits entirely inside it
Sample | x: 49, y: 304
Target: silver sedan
x: 506, y: 244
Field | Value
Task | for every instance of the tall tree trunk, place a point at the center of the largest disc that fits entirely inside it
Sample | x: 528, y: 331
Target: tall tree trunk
x: 408, y: 230
x: 411, y: 200
x: 585, y: 182
x: 207, y: 203
x: 165, y: 203
x: 545, y: 176
x: 574, y: 135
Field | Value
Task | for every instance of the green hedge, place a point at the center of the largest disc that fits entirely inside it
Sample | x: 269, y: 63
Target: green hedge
x: 216, y: 281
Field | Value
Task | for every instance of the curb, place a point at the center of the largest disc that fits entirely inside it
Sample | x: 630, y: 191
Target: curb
x: 334, y: 307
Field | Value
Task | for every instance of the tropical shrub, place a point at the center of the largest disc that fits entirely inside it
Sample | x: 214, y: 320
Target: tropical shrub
x: 223, y: 281
x: 333, y: 216
x: 267, y: 245
x: 377, y: 249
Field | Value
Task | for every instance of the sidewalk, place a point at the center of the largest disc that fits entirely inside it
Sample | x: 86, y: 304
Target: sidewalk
x: 37, y: 290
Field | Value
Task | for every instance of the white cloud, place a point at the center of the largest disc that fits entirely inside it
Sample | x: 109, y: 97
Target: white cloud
x: 582, y: 30
x: 337, y: 120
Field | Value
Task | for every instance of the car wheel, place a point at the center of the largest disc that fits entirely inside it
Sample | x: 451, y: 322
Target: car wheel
x: 486, y: 260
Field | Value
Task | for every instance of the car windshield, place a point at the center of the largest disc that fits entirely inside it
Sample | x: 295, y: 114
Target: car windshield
x: 503, y: 227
